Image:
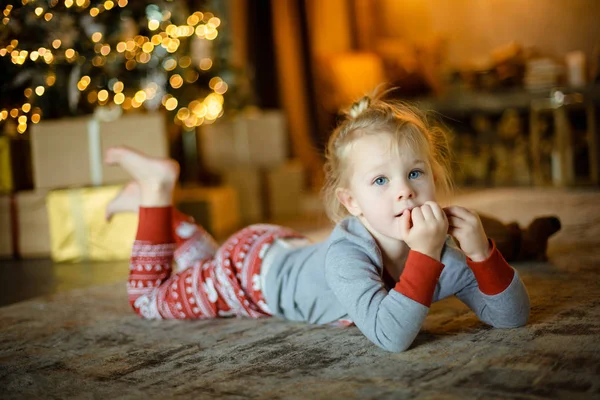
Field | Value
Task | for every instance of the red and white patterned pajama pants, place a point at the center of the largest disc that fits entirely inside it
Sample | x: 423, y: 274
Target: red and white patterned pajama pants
x: 215, y: 281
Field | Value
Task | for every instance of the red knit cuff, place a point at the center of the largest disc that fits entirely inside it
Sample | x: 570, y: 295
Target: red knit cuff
x: 493, y: 274
x: 154, y: 225
x: 419, y: 278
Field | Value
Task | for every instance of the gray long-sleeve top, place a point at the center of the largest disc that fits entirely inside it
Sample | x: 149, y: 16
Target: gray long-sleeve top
x: 342, y: 278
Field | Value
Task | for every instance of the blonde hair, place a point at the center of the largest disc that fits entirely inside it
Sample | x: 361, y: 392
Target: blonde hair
x: 371, y: 115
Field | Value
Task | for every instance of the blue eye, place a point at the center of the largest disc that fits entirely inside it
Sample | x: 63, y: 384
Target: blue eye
x: 380, y: 181
x: 414, y: 174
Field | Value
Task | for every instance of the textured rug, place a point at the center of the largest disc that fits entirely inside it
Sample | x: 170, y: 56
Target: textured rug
x: 87, y: 343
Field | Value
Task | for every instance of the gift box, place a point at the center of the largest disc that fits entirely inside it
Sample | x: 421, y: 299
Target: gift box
x: 214, y: 208
x: 268, y: 193
x: 256, y: 139
x: 33, y: 230
x: 79, y: 231
x: 69, y: 152
x: 15, y: 164
x: 285, y: 190
x: 6, y: 225
x: 249, y: 185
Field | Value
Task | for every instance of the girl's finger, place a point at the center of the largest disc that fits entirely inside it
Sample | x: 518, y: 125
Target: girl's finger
x: 417, y: 216
x: 427, y: 212
x: 436, y: 210
x: 461, y: 212
x: 456, y: 223
x: 404, y: 224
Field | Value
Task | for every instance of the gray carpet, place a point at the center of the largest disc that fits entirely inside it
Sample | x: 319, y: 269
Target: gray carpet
x: 87, y: 343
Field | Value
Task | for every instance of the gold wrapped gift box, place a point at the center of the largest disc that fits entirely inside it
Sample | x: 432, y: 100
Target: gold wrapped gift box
x: 79, y: 231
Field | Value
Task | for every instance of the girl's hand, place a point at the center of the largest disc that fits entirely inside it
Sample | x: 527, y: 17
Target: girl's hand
x: 466, y: 227
x: 427, y: 233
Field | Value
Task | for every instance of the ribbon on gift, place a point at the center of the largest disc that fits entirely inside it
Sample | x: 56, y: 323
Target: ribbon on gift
x: 101, y: 114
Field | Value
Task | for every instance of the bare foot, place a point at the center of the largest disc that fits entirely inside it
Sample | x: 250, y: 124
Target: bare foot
x: 128, y: 200
x: 156, y: 176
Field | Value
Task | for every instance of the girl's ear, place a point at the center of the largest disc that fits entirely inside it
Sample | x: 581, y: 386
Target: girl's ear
x: 345, y: 197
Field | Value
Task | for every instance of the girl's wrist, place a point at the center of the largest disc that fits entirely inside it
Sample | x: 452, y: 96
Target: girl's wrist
x: 481, y: 255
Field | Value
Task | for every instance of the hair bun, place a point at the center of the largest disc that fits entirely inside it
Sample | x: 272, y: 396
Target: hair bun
x: 359, y: 106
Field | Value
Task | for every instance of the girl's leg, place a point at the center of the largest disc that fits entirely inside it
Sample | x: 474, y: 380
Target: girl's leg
x: 192, y: 241
x: 153, y: 292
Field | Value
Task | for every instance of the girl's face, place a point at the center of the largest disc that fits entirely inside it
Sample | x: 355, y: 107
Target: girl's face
x: 383, y: 183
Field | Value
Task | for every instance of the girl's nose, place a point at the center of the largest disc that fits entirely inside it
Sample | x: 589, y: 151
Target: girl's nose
x: 405, y: 191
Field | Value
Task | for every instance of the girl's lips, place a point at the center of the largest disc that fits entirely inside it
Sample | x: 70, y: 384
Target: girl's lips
x: 401, y: 212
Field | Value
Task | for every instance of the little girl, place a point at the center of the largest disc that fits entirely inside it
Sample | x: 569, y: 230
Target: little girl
x: 388, y: 258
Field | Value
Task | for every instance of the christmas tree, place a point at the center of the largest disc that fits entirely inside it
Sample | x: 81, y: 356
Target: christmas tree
x: 69, y: 57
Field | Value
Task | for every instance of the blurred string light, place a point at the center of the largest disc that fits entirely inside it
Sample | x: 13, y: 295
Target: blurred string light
x: 138, y: 50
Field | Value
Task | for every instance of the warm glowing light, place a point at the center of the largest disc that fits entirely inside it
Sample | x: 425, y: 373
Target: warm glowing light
x: 214, y: 21
x: 205, y: 64
x: 118, y: 87
x: 51, y: 80
x: 176, y: 81
x: 213, y: 82
x: 140, y: 96
x: 193, y: 20
x: 183, y: 113
x: 40, y: 90
x: 97, y: 61
x: 69, y: 53
x: 126, y: 103
x: 156, y: 40
x: 48, y: 16
x: 153, y: 24
x: 185, y: 61
x: 28, y: 92
x: 80, y: 3
x: 14, y: 113
x: 191, y: 75
x: 22, y: 119
x: 119, y: 98
x: 92, y: 96
x: 147, y: 47
x: 108, y: 4
x: 171, y: 104
x: 130, y: 65
x: 38, y: 11
x: 121, y: 47
x: 34, y: 55
x: 68, y: 3
x: 105, y: 50
x: 169, y: 64
x: 199, y: 109
x: 212, y: 35
x: 221, y: 87
x: 35, y: 118
x: 135, y: 103
x: 56, y: 43
x: 4, y: 114
x: 83, y: 83
x: 130, y: 45
x: 22, y: 128
x: 94, y: 11
x: 122, y: 3
x: 143, y: 58
x: 103, y: 95
x: 96, y: 37
x: 173, y: 45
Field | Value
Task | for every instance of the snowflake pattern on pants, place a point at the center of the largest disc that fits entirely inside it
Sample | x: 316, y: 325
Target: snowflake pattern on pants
x: 224, y: 284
